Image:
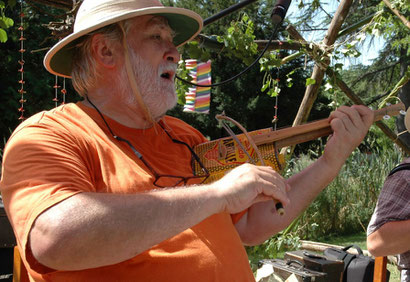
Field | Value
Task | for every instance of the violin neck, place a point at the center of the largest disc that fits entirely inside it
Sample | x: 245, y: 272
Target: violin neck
x: 313, y: 130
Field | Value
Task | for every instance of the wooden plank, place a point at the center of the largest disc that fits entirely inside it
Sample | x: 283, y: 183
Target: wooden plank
x: 380, y: 269
x: 19, y: 270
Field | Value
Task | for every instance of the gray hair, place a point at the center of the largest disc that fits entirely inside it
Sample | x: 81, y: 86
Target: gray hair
x: 84, y: 67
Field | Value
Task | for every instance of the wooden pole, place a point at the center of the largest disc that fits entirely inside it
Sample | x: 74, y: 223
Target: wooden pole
x: 318, y: 71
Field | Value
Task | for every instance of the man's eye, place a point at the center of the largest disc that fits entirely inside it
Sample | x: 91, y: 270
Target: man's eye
x: 156, y: 37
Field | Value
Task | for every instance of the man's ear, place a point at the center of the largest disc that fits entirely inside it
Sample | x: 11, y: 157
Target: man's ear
x: 103, y: 51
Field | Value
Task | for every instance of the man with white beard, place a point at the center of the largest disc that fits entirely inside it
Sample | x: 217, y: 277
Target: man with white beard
x: 103, y: 190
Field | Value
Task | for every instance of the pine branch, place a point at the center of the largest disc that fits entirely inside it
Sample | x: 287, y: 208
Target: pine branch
x: 375, y: 71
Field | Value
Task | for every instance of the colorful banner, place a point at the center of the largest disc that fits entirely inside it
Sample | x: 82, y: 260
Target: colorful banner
x: 198, y: 98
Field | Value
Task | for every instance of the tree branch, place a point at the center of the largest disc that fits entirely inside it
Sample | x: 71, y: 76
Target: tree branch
x: 59, y: 4
x: 64, y: 27
x: 41, y: 11
x: 375, y: 71
x: 397, y: 13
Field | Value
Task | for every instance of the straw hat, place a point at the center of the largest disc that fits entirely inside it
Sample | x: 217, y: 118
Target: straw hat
x: 94, y: 14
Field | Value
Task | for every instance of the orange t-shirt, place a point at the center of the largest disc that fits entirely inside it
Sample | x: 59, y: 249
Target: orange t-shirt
x: 56, y: 154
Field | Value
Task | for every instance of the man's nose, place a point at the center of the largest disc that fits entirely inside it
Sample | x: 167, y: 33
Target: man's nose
x: 172, y: 54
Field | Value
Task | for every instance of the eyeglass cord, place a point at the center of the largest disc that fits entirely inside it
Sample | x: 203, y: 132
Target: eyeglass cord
x: 112, y: 133
x: 138, y: 154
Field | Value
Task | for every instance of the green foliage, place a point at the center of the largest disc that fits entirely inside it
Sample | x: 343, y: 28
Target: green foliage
x: 268, y: 64
x: 239, y: 40
x: 392, y: 97
x: 182, y: 88
x: 390, y: 27
x: 369, y: 84
x: 196, y: 51
x: 347, y: 204
x: 271, y: 84
x: 272, y: 248
x: 38, y: 82
x: 5, y: 22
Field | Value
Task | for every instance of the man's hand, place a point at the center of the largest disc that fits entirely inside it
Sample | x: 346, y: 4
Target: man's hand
x: 350, y: 126
x: 249, y: 184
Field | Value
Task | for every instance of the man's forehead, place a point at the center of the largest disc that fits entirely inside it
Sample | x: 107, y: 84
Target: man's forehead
x: 157, y: 20
x: 148, y: 21
x: 151, y: 23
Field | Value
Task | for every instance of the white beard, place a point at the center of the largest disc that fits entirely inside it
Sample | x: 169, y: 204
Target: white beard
x: 157, y: 93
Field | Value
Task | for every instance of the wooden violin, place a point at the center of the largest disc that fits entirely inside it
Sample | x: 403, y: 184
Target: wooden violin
x: 223, y: 154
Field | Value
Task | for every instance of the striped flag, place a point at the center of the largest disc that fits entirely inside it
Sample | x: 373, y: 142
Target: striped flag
x: 198, y: 98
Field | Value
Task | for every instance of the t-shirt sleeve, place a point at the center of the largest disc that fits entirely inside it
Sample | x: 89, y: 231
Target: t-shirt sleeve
x: 393, y: 201
x: 41, y: 167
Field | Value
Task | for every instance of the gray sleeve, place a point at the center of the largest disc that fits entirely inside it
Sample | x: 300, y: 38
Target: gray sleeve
x: 394, y: 201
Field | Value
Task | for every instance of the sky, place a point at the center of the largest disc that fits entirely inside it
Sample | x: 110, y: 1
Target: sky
x: 369, y: 50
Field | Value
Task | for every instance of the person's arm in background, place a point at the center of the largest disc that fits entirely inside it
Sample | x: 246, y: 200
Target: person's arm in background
x: 391, y: 238
x: 389, y: 228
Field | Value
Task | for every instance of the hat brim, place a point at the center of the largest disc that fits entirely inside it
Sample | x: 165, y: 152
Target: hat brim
x: 185, y: 23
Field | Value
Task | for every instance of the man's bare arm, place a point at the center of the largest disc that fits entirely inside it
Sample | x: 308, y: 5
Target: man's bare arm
x: 391, y: 239
x: 350, y: 125
x: 90, y: 230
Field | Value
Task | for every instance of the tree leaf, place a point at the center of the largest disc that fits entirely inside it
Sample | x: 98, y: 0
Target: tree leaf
x: 9, y: 22
x: 265, y: 86
x: 3, y: 23
x: 3, y: 35
x: 6, y: 22
x: 310, y: 81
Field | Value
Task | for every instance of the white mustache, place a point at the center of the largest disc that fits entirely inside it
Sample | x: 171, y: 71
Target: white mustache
x: 167, y: 67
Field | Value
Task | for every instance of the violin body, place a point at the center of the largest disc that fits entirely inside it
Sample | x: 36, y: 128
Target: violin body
x: 222, y: 155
